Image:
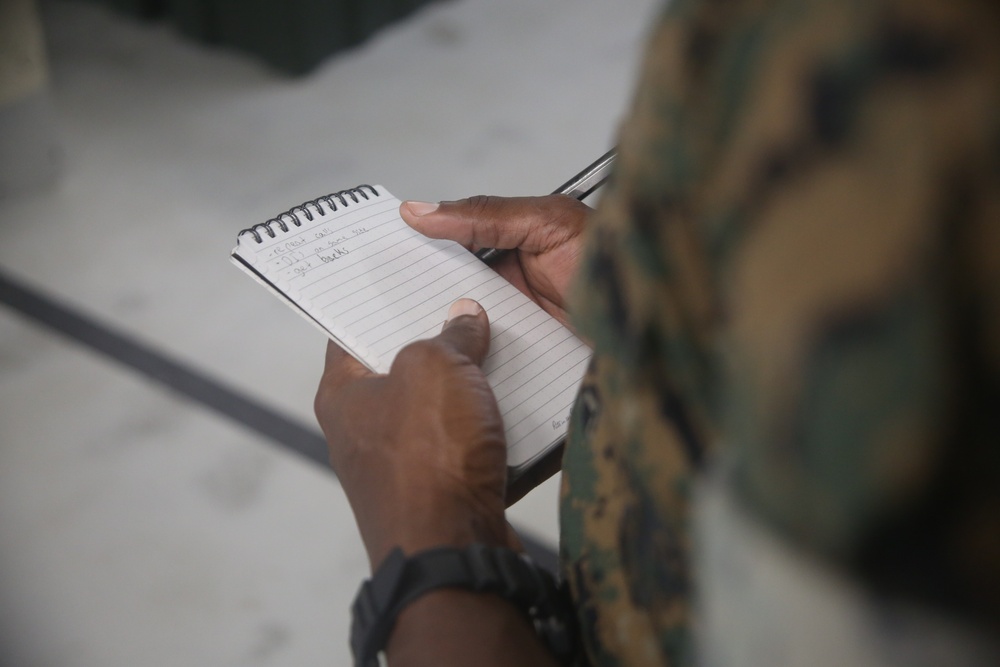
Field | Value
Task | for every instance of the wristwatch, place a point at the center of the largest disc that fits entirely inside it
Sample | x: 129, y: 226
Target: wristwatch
x: 399, y: 580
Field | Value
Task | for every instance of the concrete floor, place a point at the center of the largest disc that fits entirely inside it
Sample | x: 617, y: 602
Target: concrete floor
x: 138, y: 527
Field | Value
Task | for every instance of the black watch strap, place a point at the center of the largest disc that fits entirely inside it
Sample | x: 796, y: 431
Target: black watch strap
x: 400, y: 579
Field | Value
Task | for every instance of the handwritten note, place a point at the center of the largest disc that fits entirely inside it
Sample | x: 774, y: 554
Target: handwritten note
x: 375, y: 285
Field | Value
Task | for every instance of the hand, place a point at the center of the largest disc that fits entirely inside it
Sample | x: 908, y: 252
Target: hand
x: 545, y: 233
x: 421, y: 451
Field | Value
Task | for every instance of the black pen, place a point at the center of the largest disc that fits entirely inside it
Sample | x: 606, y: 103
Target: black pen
x: 579, y: 186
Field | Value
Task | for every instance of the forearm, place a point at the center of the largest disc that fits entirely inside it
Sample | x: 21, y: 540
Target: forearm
x: 452, y: 627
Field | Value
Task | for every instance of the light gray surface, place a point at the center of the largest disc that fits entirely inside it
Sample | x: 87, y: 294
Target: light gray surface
x: 135, y: 527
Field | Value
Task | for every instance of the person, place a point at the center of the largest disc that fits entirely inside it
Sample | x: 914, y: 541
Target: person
x: 786, y: 450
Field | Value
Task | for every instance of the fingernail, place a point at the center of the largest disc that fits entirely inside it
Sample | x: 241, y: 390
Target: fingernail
x: 463, y: 307
x: 421, y: 208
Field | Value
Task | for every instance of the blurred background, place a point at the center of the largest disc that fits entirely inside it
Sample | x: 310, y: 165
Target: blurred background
x: 160, y: 497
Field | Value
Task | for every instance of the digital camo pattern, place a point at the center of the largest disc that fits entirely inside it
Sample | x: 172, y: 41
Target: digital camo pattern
x: 796, y: 270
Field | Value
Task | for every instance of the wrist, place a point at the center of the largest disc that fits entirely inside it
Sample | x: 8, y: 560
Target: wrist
x: 416, y: 528
x: 483, y: 629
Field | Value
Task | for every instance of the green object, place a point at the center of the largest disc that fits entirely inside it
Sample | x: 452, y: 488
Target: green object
x: 293, y: 36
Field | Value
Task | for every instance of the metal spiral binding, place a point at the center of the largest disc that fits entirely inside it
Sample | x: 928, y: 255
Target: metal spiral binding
x: 296, y: 214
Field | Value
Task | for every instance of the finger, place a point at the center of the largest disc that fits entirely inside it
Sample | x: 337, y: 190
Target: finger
x: 467, y: 330
x: 341, y: 368
x: 532, y: 224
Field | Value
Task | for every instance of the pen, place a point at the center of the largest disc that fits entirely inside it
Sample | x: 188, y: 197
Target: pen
x: 579, y: 186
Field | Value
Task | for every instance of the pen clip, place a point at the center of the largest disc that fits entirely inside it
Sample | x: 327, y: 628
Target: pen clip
x: 591, y: 178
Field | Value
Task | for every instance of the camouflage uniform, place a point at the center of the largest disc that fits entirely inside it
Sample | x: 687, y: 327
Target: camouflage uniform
x: 792, y: 286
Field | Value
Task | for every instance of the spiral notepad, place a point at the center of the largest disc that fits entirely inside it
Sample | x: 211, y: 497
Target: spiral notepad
x: 349, y: 264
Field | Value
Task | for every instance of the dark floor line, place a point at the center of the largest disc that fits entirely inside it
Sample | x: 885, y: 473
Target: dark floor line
x: 187, y: 382
x: 163, y: 370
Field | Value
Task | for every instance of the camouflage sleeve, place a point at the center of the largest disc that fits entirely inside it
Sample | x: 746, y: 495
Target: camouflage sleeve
x: 796, y: 271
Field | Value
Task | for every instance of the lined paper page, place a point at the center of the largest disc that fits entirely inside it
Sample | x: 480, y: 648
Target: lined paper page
x: 376, y: 285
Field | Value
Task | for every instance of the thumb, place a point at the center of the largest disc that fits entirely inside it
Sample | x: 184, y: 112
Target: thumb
x: 467, y: 330
x: 532, y: 224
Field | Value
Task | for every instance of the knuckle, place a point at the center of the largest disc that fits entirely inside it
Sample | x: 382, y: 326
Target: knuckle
x: 480, y: 204
x: 324, y: 397
x: 422, y: 353
x: 567, y: 208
